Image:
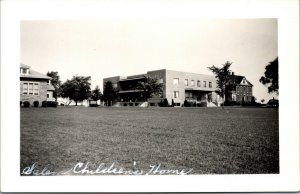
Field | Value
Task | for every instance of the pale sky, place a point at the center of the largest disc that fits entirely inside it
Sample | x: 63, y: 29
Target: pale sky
x: 125, y: 47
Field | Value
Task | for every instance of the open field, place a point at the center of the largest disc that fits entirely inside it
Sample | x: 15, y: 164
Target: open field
x: 209, y: 140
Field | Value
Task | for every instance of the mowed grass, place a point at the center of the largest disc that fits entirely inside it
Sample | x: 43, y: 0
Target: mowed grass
x: 209, y: 140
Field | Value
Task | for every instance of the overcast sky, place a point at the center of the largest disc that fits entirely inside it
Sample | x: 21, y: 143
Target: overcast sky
x: 125, y: 47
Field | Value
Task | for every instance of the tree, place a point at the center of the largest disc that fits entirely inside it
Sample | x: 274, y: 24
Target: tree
x: 222, y: 76
x: 77, y: 89
x: 262, y: 101
x: 271, y: 76
x: 96, y: 93
x: 253, y: 100
x: 164, y: 103
x: 109, y: 93
x: 56, y: 83
x: 150, y: 87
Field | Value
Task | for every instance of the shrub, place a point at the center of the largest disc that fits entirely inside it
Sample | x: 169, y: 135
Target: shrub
x: 51, y: 104
x: 44, y: 104
x: 187, y: 104
x: 164, y: 103
x: 232, y: 103
x: 26, y: 104
x: 36, y: 103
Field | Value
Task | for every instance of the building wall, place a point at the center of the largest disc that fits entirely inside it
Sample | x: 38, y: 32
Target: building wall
x: 181, y: 87
x: 50, y: 96
x: 243, y: 91
x: 42, y: 96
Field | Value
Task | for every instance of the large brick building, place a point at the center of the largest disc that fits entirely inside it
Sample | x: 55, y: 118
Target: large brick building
x: 239, y: 89
x: 178, y: 86
x: 34, y: 86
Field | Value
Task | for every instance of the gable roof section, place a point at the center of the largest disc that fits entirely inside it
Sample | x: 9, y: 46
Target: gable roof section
x: 35, y: 74
x: 50, y: 88
x: 237, y: 79
x: 32, y: 73
x: 24, y: 66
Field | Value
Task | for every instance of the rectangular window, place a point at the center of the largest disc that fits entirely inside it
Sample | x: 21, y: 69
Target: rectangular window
x: 188, y: 95
x: 31, y: 88
x: 209, y: 84
x: 198, y: 83
x: 175, y: 81
x: 36, y: 89
x: 25, y: 88
x: 204, y: 84
x: 48, y: 95
x: 192, y: 82
x: 23, y: 71
x: 176, y: 94
x: 186, y: 82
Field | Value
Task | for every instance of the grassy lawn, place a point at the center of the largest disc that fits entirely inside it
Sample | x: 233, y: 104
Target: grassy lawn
x: 209, y: 140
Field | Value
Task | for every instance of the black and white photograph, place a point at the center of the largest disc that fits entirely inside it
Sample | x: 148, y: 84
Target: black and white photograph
x: 176, y: 95
x: 149, y: 97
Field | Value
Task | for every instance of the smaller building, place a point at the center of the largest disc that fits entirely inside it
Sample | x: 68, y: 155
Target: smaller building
x: 239, y: 89
x: 34, y: 86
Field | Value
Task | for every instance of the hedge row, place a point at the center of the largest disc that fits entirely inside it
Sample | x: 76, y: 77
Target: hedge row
x: 26, y: 104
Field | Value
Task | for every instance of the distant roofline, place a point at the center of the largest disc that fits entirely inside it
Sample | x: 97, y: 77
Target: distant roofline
x: 126, y: 77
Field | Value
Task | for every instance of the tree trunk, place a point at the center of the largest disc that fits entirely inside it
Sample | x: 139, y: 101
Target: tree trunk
x: 223, y: 101
x: 76, y: 102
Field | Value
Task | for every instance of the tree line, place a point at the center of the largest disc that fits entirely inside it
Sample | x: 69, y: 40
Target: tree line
x: 79, y: 87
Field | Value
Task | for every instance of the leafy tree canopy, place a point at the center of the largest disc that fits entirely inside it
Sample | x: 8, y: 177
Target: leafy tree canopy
x: 109, y: 93
x: 55, y: 81
x: 222, y: 75
x: 77, y: 89
x: 96, y: 93
x: 150, y: 87
x: 271, y: 76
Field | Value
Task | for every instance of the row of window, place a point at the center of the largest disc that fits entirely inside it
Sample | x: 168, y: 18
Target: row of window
x: 31, y: 88
x: 186, y: 83
x: 187, y: 94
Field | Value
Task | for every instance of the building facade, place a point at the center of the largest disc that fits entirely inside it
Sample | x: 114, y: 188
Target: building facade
x: 34, y: 86
x: 177, y: 87
x: 239, y: 89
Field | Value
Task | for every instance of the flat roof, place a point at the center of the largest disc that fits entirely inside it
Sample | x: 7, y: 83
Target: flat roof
x: 137, y: 78
x: 130, y: 91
